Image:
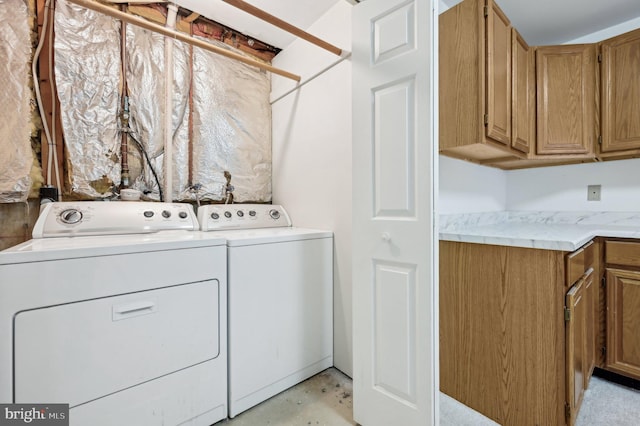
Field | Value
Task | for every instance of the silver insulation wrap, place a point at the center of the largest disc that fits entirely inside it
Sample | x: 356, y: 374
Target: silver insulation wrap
x: 231, y: 112
x: 145, y: 79
x: 232, y: 127
x: 87, y: 67
x: 15, y: 114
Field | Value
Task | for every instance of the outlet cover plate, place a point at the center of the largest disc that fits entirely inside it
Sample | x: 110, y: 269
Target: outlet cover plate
x: 593, y: 192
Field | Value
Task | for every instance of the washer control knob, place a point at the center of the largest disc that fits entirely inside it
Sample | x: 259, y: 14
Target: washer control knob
x: 148, y: 213
x: 215, y: 216
x: 71, y: 216
x: 252, y: 213
x: 240, y: 213
x: 275, y: 214
x: 166, y: 214
x: 227, y: 215
x: 183, y: 215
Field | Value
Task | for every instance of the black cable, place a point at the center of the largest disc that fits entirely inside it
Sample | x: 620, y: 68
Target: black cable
x: 146, y: 156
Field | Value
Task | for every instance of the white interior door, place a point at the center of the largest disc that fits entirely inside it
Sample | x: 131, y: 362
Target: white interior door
x: 394, y: 276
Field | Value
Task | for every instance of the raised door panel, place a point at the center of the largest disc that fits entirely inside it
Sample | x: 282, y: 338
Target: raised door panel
x: 623, y: 322
x: 591, y: 311
x: 576, y: 362
x: 621, y: 92
x: 566, y: 99
x: 522, y: 104
x: 498, y: 75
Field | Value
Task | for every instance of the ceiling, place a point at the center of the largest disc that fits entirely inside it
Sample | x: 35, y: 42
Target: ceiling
x: 300, y: 13
x: 544, y: 22
x: 540, y: 22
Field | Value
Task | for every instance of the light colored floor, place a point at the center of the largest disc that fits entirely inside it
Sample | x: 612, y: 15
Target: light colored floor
x: 326, y: 399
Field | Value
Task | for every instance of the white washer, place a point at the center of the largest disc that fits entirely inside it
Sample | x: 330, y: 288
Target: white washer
x: 125, y: 321
x: 280, y: 282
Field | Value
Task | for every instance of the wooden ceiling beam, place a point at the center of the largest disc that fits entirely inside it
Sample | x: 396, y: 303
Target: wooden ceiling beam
x: 143, y: 23
x: 273, y: 20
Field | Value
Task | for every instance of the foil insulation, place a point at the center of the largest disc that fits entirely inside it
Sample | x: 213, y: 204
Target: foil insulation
x: 87, y: 67
x: 232, y: 127
x: 15, y: 114
x: 146, y: 82
x: 231, y: 112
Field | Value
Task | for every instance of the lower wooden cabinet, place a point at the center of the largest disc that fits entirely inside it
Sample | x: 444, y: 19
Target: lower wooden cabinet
x: 508, y: 348
x: 623, y: 322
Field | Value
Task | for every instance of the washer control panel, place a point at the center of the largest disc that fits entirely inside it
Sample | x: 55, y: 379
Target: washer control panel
x: 216, y: 217
x: 75, y: 218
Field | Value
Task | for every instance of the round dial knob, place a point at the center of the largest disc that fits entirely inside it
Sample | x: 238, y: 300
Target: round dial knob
x: 252, y: 213
x: 71, y: 216
x: 183, y: 215
x: 215, y: 216
x: 240, y: 213
x: 148, y: 213
x: 275, y: 214
x: 166, y: 214
x: 227, y: 215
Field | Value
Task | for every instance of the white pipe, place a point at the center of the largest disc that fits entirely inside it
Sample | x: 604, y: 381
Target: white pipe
x: 172, y: 14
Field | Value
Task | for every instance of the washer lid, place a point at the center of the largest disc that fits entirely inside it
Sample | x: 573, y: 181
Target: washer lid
x: 42, y: 249
x: 248, y: 237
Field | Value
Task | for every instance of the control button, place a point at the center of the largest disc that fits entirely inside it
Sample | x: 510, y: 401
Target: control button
x: 252, y: 213
x: 227, y: 215
x: 166, y: 214
x: 215, y: 216
x: 240, y: 213
x: 183, y: 215
x: 71, y: 216
x: 275, y: 214
x: 148, y: 213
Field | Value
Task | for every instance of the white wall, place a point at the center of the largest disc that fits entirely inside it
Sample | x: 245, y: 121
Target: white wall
x: 564, y: 188
x: 312, y: 154
x: 469, y: 188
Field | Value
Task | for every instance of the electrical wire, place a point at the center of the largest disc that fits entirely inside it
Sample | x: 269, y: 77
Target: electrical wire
x: 146, y: 156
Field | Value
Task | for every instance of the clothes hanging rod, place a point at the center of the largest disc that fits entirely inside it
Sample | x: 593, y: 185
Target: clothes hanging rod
x: 141, y: 22
x: 273, y: 20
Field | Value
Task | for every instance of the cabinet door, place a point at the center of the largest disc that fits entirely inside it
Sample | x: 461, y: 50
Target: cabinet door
x: 566, y: 99
x: 498, y: 118
x: 621, y: 92
x: 591, y: 312
x: 576, y: 362
x: 623, y: 322
x: 522, y: 98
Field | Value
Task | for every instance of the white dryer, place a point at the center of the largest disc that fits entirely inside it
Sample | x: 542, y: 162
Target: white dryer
x: 280, y: 282
x: 119, y: 310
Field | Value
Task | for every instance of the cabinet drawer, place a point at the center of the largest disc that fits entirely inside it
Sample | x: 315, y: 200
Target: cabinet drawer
x: 579, y: 262
x: 622, y: 253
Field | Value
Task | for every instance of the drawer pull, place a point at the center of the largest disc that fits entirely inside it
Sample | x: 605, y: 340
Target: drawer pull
x: 131, y: 310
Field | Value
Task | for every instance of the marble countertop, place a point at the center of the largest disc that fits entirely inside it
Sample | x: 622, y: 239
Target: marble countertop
x: 564, y: 231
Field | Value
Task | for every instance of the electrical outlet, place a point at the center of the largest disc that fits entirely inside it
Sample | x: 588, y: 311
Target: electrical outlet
x: 593, y: 192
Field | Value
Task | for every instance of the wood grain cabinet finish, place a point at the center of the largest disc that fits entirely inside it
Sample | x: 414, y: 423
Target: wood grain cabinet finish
x: 623, y: 322
x: 502, y: 331
x: 517, y: 341
x: 622, y: 259
x: 522, y: 94
x: 620, y: 71
x: 476, y: 84
x: 566, y: 99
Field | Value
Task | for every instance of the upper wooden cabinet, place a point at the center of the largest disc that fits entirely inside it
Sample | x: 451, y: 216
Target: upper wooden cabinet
x: 566, y: 99
x: 476, y: 74
x: 621, y: 93
x: 522, y: 94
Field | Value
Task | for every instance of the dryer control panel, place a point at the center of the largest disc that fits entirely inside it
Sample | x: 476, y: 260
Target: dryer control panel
x: 216, y: 217
x: 76, y: 218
